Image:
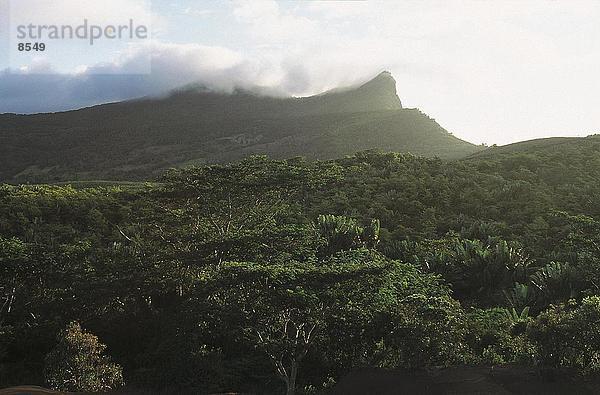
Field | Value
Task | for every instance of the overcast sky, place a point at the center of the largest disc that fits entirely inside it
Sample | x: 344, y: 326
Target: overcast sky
x: 490, y: 72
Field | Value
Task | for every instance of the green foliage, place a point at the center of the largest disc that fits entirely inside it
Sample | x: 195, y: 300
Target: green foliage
x: 516, y: 317
x: 355, y: 304
x: 426, y: 331
x: 140, y: 139
x: 342, y: 234
x: 238, y: 211
x: 520, y: 296
x: 77, y: 363
x: 286, y: 310
x: 556, y: 282
x: 478, y: 272
x: 567, y: 335
x: 496, y: 336
x: 241, y: 277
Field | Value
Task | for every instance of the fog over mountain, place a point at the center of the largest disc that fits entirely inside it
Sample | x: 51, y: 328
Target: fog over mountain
x: 141, y: 138
x: 40, y: 88
x: 469, y: 63
x: 299, y: 197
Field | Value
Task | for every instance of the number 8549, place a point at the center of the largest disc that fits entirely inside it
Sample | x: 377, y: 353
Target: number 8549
x: 27, y: 47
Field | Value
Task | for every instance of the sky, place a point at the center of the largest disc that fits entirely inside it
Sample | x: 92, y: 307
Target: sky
x: 491, y: 72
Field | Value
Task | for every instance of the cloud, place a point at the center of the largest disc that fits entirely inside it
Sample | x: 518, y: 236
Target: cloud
x: 340, y: 9
x: 494, y: 73
x: 57, y: 12
x: 35, y: 87
x: 196, y: 11
x: 173, y: 65
x: 285, y: 50
x: 268, y: 23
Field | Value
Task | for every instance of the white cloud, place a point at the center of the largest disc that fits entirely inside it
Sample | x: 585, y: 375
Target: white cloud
x: 340, y: 8
x: 73, y: 11
x: 493, y: 72
x: 196, y: 11
x: 35, y: 89
x: 269, y: 24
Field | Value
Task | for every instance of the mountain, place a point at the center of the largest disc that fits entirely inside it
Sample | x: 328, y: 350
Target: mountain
x: 140, y: 138
x: 571, y: 164
x: 547, y: 145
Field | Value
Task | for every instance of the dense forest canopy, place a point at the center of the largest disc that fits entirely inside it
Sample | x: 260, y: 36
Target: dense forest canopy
x: 275, y: 276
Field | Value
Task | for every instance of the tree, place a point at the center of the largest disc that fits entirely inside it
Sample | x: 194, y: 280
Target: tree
x: 556, y: 282
x: 286, y: 309
x: 77, y: 363
x: 496, y: 336
x: 338, y: 309
x: 203, y: 216
x: 569, y: 335
x: 477, y: 271
x: 222, y: 212
x: 425, y: 330
x: 12, y: 268
x: 343, y: 233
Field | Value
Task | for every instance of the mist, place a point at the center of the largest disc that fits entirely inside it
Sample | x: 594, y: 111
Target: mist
x: 489, y: 74
x: 41, y: 88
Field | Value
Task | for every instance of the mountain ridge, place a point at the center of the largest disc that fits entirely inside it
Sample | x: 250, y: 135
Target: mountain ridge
x: 140, y: 138
x: 533, y: 145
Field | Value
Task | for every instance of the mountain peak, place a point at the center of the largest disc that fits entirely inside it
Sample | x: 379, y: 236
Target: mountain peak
x: 377, y: 94
x: 383, y: 81
x: 382, y: 91
x: 385, y: 75
x: 202, y: 126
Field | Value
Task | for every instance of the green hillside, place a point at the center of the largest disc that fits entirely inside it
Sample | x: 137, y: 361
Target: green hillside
x: 554, y: 161
x: 139, y: 139
x: 547, y: 145
x: 224, y: 278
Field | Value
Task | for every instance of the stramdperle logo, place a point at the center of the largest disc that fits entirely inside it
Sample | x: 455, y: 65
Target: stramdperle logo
x: 64, y: 36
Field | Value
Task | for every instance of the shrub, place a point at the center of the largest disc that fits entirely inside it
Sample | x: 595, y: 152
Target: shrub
x: 569, y: 335
x: 77, y: 363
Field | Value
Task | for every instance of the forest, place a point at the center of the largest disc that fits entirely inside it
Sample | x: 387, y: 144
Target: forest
x: 282, y: 276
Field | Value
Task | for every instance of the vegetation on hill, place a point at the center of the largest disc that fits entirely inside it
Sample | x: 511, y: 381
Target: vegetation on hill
x: 281, y: 276
x: 547, y: 145
x: 139, y: 139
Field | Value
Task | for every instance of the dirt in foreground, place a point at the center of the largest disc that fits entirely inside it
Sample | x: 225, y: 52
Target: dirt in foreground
x: 506, y: 380
x: 466, y: 380
x: 29, y: 390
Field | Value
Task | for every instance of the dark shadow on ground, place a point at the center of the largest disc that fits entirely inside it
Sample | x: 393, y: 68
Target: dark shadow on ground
x: 466, y: 380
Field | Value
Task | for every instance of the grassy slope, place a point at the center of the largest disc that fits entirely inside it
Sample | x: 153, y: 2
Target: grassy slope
x: 550, y: 144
